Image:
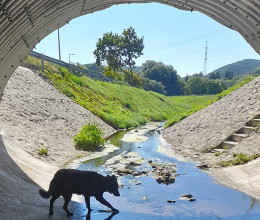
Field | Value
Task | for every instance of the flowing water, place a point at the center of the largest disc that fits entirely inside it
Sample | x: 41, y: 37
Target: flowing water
x: 144, y: 198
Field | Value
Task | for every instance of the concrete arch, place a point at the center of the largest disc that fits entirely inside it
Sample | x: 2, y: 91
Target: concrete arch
x: 23, y: 24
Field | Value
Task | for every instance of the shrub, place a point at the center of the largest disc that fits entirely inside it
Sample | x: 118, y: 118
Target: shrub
x: 89, y: 137
x: 65, y: 73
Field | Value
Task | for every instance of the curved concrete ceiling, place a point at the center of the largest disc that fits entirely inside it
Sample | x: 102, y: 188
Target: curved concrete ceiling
x: 24, y: 23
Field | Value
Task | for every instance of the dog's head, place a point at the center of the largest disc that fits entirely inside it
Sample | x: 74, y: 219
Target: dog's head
x: 112, y: 185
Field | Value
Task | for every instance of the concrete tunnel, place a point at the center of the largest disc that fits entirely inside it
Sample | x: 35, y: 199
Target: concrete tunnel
x: 23, y: 24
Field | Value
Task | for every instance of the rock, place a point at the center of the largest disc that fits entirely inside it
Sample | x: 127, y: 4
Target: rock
x: 164, y: 173
x: 136, y: 182
x: 145, y: 197
x: 124, y: 171
x: 187, y: 197
x: 171, y: 201
x: 137, y: 173
x: 132, y: 163
x: 203, y: 167
x: 159, y: 180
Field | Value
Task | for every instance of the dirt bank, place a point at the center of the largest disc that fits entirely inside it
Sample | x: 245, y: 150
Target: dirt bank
x: 207, y: 128
x: 34, y: 115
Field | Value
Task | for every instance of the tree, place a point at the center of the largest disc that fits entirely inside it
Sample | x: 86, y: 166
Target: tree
x: 213, y: 87
x: 186, y: 78
x: 93, y: 68
x: 196, y: 85
x: 214, y: 75
x: 152, y: 85
x: 118, y: 52
x: 228, y: 75
x: 165, y: 74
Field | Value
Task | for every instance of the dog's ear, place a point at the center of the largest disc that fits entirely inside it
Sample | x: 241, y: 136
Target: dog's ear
x: 108, y: 178
x: 114, y: 177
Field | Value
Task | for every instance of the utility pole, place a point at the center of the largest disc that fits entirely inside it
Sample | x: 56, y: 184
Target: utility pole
x: 206, y: 60
x: 71, y: 54
x: 59, y: 43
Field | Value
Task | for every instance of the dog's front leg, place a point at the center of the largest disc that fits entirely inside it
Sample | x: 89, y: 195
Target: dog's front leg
x: 87, y: 200
x: 101, y: 199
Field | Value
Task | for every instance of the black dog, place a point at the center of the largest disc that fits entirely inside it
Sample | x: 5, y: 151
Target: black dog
x: 68, y: 181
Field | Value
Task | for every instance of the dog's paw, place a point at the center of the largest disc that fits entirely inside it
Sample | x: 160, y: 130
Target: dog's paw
x: 69, y: 214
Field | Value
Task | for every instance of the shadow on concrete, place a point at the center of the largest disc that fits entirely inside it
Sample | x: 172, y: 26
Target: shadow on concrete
x: 19, y: 194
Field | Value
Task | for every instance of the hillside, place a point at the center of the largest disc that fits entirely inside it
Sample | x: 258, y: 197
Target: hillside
x: 238, y: 68
x: 124, y: 106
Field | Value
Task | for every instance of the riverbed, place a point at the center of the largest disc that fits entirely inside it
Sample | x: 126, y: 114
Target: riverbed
x: 136, y: 157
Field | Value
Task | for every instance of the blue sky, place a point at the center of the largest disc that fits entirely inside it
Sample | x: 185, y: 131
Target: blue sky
x: 174, y: 37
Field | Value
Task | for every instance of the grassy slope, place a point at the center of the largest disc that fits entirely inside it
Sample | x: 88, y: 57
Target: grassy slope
x: 123, y: 106
x: 186, y: 105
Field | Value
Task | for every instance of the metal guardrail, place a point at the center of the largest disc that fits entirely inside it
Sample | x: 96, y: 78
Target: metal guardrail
x: 69, y: 66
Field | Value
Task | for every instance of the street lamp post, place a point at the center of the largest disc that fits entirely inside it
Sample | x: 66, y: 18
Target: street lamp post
x: 59, y: 43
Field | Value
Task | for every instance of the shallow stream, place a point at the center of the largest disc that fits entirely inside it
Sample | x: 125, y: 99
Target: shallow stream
x: 142, y: 197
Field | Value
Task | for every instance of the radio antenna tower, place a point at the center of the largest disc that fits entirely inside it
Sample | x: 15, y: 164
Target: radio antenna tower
x: 206, y: 60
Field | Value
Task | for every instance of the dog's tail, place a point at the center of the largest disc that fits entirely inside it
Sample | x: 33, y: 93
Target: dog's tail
x: 45, y: 194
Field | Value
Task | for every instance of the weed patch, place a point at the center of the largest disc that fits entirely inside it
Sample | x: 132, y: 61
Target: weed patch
x: 238, y: 159
x: 43, y: 151
x: 217, y: 154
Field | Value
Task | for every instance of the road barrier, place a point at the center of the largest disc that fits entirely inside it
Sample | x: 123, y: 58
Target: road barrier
x: 69, y: 66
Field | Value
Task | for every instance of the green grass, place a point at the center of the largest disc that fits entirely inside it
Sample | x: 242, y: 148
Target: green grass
x: 123, y: 106
x: 187, y: 105
x: 120, y: 105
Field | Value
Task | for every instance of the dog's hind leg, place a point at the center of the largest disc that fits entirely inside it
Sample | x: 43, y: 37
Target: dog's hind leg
x: 54, y: 197
x: 67, y: 199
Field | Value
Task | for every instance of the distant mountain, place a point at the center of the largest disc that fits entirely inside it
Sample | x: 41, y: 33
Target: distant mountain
x: 137, y: 69
x: 239, y: 68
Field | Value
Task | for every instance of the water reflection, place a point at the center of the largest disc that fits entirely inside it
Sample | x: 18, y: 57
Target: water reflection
x: 88, y: 217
